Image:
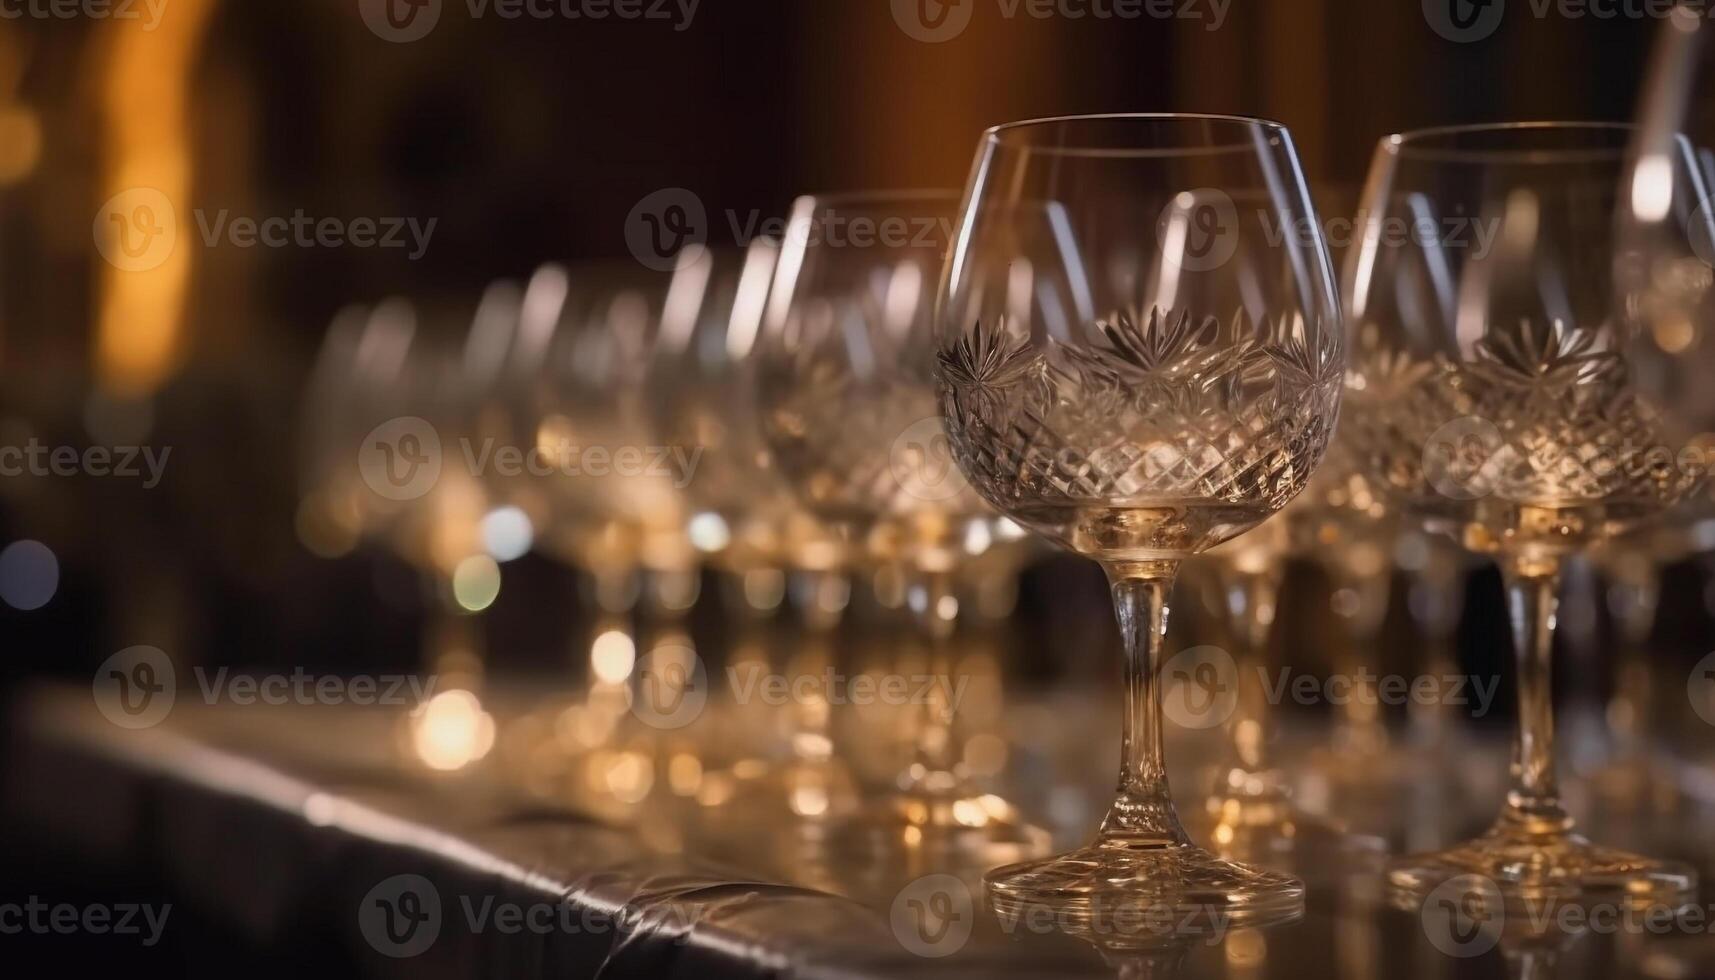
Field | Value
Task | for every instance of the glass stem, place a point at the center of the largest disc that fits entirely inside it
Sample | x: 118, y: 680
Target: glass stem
x: 1363, y: 606
x: 1251, y: 596
x: 1533, y: 803
x: 935, y: 609
x: 823, y: 605
x: 1142, y: 814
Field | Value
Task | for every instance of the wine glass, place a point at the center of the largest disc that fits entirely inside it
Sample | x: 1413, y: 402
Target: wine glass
x: 741, y: 517
x: 1135, y: 363
x: 1501, y: 393
x: 386, y: 411
x: 1666, y: 267
x: 849, y: 413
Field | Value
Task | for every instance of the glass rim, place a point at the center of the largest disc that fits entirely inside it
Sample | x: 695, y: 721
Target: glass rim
x: 1010, y: 134
x: 1443, y: 144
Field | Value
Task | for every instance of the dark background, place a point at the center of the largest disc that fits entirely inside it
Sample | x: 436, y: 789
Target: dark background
x: 529, y: 140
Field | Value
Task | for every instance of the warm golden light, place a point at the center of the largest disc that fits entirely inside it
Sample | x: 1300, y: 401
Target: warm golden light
x: 612, y: 656
x: 144, y: 102
x: 451, y: 730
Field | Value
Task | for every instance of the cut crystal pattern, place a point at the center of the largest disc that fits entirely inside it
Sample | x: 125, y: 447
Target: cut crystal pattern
x: 1164, y: 408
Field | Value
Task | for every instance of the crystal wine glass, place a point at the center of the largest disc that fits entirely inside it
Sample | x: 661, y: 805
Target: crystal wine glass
x: 1135, y: 363
x: 1502, y: 393
x: 849, y: 413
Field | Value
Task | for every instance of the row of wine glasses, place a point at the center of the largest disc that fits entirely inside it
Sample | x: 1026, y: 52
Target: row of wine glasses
x: 1139, y: 396
x: 1128, y: 338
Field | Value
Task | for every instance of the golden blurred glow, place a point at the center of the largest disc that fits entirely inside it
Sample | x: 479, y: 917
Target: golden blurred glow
x: 1246, y: 948
x: 764, y: 588
x: 630, y: 776
x: 985, y: 754
x: 809, y: 800
x: 1674, y: 333
x: 969, y: 813
x: 144, y: 101
x: 612, y: 656
x: 685, y: 774
x: 327, y: 524
x: 20, y: 143
x: 450, y: 730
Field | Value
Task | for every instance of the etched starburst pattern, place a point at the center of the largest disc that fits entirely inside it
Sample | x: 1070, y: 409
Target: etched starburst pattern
x: 1544, y: 358
x: 987, y: 366
x: 1165, y: 407
x: 1562, y: 426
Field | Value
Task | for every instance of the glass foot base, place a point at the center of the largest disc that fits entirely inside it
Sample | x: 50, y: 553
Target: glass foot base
x: 1557, y: 866
x: 958, y: 824
x: 1125, y: 894
x: 1271, y: 828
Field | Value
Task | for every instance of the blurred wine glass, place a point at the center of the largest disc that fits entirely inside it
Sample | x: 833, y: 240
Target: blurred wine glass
x: 384, y: 420
x: 741, y: 518
x: 850, y: 414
